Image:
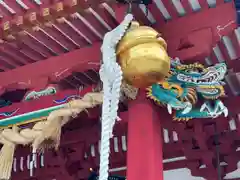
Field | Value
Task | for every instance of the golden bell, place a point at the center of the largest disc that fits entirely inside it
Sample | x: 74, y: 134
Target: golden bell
x: 142, y: 56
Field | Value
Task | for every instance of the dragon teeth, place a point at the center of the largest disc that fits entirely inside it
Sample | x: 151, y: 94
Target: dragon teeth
x: 188, y: 108
x: 203, y: 107
x: 225, y: 112
x: 169, y: 107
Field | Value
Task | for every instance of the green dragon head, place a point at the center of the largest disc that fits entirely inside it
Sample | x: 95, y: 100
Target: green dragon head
x: 197, y: 75
x: 186, y: 84
x: 208, y: 82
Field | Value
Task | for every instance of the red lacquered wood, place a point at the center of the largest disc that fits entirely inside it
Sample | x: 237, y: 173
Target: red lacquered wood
x: 144, y: 159
x: 83, y: 57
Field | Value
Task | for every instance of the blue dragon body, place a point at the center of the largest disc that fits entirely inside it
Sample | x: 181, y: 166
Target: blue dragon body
x: 187, y: 86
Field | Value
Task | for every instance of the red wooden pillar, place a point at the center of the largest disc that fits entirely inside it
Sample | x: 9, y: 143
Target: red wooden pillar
x: 144, y: 155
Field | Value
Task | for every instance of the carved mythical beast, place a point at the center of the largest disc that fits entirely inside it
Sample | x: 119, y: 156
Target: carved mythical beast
x: 187, y: 86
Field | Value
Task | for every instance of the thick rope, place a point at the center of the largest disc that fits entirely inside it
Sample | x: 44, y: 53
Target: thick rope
x: 111, y: 76
x: 44, y: 134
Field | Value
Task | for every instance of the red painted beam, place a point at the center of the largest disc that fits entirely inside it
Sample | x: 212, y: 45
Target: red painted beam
x: 78, y: 60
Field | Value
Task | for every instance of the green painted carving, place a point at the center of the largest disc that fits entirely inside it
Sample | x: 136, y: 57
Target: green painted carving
x: 37, y: 94
x: 191, y: 91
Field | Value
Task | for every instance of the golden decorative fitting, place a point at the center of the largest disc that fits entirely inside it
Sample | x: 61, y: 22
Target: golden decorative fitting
x: 143, y: 57
x: 45, y: 12
x: 6, y: 25
x: 134, y: 25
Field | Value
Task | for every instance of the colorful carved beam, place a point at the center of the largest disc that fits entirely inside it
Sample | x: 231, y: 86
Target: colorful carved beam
x: 32, y: 95
x: 37, y: 110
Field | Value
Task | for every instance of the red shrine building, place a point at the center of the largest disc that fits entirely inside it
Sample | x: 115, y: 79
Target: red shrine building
x: 51, y: 50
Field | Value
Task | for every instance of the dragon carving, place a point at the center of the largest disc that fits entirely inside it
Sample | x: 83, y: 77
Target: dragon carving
x: 192, y: 91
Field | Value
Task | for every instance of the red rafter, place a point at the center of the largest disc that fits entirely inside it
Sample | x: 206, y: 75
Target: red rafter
x: 81, y: 60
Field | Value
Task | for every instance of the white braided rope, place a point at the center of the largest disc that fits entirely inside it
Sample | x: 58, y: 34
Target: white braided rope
x: 111, y: 76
